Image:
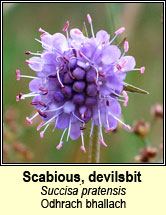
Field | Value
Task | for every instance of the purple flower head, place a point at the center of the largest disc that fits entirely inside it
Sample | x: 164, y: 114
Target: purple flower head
x: 78, y: 79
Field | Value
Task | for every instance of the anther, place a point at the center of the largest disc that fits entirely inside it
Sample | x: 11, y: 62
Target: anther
x: 127, y: 127
x: 80, y: 53
x: 19, y: 97
x: 142, y: 70
x: 41, y: 134
x: 66, y: 26
x: 82, y: 128
x: 42, y: 35
x: 107, y: 103
x: 108, y: 130
x: 126, y: 46
x: 118, y: 67
x: 39, y: 126
x: 102, y: 74
x: 103, y: 143
x: 124, y: 93
x: 27, y: 52
x: 119, y: 31
x: 41, y: 114
x: 33, y: 103
x: 29, y: 121
x: 43, y: 90
x: 83, y: 148
x: 59, y: 146
x: 42, y: 104
x: 41, y: 30
x: 89, y: 19
x: 28, y: 62
x: 17, y: 75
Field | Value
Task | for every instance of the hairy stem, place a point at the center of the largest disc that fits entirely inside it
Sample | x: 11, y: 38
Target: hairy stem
x: 94, y: 147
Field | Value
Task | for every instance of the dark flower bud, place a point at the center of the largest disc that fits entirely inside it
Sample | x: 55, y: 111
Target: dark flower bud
x: 79, y: 86
x: 157, y: 111
x: 79, y: 73
x: 91, y: 90
x: 141, y: 128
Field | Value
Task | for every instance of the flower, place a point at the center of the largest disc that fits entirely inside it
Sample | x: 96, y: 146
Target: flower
x: 157, y: 111
x: 141, y: 128
x: 79, y: 79
x: 147, y: 154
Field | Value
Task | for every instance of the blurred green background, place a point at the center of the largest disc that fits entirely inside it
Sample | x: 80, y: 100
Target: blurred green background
x: 144, y: 30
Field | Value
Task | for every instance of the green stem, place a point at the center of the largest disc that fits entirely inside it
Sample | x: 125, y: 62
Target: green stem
x: 94, y: 147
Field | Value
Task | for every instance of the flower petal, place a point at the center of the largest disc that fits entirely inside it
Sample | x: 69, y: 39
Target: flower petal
x: 35, y: 63
x: 110, y: 54
x: 59, y: 42
x: 102, y: 36
x: 63, y: 121
x: 35, y: 84
x: 75, y: 130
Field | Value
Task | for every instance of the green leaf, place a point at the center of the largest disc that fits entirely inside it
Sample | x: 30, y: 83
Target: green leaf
x: 132, y: 89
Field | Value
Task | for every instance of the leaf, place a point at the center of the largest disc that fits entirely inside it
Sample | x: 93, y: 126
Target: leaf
x: 132, y: 89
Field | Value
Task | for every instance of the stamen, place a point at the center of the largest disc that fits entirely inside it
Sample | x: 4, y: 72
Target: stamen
x: 101, y: 133
x: 27, y: 76
x: 107, y: 103
x: 29, y: 120
x: 97, y: 75
x: 59, y: 146
x: 41, y: 113
x: 82, y: 128
x: 43, y: 90
x: 42, y: 132
x: 103, y: 143
x: 69, y: 130
x: 102, y: 74
x: 66, y: 26
x: 61, y: 142
x: 42, y: 31
x: 86, y: 31
x: 126, y: 46
x: 70, y: 75
x: 49, y: 121
x: 142, y: 70
x: 28, y: 53
x: 33, y: 103
x: 42, y: 104
x: 108, y: 130
x: 83, y: 145
x: 119, y: 31
x: 19, y: 97
x: 91, y: 130
x: 39, y: 126
x: 56, y: 121
x: 29, y: 95
x: 127, y: 127
x: 42, y: 35
x: 28, y: 62
x: 17, y: 75
x: 124, y: 93
x: 62, y: 86
x: 118, y: 67
x: 55, y: 109
x: 90, y: 22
